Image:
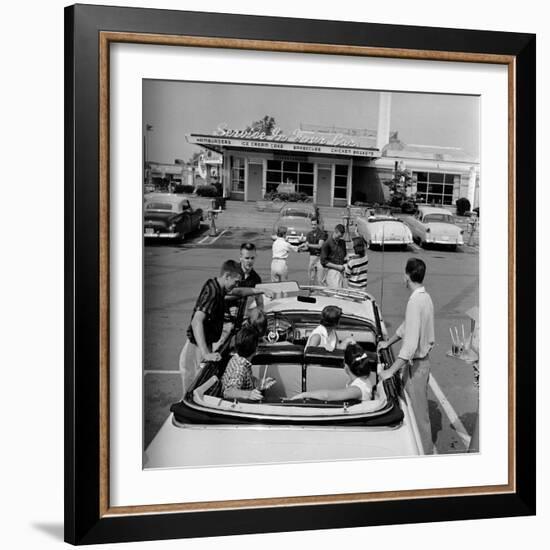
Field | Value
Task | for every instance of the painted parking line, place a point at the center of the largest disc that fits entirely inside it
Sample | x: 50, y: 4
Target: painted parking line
x: 214, y: 240
x: 203, y: 241
x: 450, y: 412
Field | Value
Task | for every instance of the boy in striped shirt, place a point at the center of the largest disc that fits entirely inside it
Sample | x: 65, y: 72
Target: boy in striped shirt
x: 356, y: 267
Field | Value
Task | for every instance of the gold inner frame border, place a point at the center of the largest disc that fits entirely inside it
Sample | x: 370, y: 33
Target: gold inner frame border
x: 105, y: 40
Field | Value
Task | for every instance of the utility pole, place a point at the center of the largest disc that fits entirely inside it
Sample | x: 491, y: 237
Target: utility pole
x: 146, y: 167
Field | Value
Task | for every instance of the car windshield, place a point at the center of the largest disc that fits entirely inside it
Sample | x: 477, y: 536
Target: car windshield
x: 160, y: 206
x: 296, y: 213
x: 439, y: 218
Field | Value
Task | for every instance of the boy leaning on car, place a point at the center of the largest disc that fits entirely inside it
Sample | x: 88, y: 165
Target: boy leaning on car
x: 207, y: 322
x: 417, y: 333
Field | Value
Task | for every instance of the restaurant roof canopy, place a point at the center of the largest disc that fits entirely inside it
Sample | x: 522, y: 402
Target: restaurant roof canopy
x: 299, y: 141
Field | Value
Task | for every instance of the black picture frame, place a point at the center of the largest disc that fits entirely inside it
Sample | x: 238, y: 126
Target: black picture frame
x: 87, y: 518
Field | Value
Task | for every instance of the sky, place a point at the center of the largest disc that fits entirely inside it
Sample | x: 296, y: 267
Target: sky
x: 176, y: 108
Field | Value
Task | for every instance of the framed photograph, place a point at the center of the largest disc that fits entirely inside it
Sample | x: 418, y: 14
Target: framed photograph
x: 284, y: 310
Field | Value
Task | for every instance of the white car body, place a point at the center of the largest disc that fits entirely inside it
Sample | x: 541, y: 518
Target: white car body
x: 187, y: 444
x: 432, y: 225
x: 380, y: 228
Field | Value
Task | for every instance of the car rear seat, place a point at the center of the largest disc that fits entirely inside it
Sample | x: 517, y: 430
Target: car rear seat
x: 324, y: 369
x: 283, y: 363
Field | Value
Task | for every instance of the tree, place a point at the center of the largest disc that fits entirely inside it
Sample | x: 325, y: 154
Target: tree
x: 265, y: 124
x: 400, y: 189
x: 195, y: 157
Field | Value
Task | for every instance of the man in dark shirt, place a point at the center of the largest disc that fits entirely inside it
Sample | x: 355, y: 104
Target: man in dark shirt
x: 244, y: 292
x: 249, y: 277
x: 315, y: 239
x: 207, y: 322
x: 333, y: 257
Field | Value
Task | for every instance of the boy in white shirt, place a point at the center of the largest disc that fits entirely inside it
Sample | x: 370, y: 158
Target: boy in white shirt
x: 280, y: 249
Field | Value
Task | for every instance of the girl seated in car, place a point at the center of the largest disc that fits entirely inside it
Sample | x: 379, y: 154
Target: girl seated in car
x: 325, y: 335
x: 237, y: 380
x: 360, y: 367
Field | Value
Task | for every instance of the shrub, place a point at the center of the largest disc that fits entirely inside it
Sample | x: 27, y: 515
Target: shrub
x: 286, y: 197
x: 462, y: 206
x: 207, y: 191
x: 184, y: 188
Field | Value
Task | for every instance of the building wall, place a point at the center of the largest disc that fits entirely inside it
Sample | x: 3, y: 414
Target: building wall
x: 237, y: 169
x: 461, y: 171
x: 365, y: 180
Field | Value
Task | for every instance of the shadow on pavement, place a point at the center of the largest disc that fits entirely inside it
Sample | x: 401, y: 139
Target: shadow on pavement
x: 435, y: 419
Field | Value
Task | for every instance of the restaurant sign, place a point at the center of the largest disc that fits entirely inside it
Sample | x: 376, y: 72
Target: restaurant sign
x: 336, y: 144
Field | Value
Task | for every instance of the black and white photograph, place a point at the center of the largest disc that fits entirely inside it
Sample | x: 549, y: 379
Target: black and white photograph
x: 310, y: 274
x: 234, y: 227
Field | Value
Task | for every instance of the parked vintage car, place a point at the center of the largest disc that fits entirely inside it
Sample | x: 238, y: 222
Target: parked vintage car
x: 169, y: 216
x: 380, y: 228
x: 382, y: 427
x: 296, y: 217
x: 431, y: 225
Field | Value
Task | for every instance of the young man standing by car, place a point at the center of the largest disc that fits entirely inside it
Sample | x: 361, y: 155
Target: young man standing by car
x: 315, y: 239
x: 249, y: 278
x: 244, y: 293
x: 417, y: 333
x: 207, y: 322
x: 333, y: 256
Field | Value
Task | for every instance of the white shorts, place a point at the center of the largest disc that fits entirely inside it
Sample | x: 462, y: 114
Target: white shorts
x: 279, y: 270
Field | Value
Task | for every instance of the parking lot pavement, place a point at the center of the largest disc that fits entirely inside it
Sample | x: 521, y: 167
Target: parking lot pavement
x: 174, y: 275
x: 230, y: 237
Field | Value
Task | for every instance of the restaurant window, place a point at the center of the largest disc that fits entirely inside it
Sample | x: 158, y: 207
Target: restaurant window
x: 436, y: 187
x: 341, y: 185
x: 237, y: 175
x: 286, y: 171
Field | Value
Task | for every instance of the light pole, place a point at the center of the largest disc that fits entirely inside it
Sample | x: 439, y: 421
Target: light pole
x: 147, y: 169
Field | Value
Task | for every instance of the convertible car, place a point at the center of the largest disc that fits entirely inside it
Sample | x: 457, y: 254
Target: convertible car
x: 384, y: 426
x: 380, y: 228
x: 169, y: 216
x: 297, y: 220
x: 432, y: 225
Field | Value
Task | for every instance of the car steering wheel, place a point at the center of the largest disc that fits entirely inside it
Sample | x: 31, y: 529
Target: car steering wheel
x: 279, y: 328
